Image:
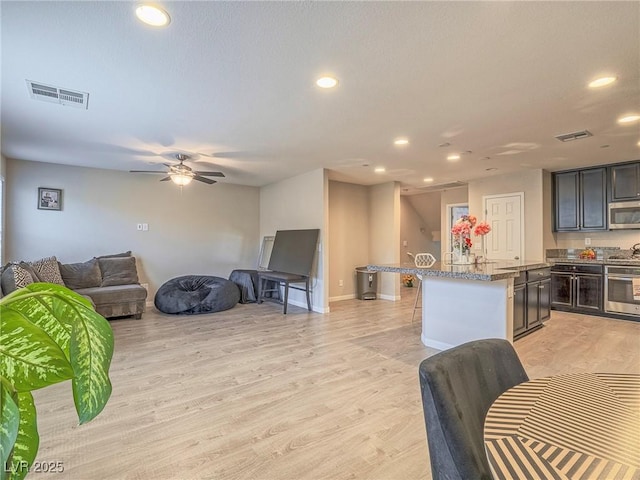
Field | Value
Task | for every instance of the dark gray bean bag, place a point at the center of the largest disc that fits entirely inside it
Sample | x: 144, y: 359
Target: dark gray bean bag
x: 193, y: 294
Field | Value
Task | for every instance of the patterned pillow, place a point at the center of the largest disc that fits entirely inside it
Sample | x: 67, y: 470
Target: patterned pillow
x: 47, y: 270
x: 21, y: 277
x: 14, y: 277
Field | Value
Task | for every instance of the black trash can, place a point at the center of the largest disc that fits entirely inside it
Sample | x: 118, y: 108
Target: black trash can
x: 366, y: 284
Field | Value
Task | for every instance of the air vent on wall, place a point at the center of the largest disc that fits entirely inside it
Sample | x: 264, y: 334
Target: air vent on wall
x: 568, y: 137
x: 63, y: 96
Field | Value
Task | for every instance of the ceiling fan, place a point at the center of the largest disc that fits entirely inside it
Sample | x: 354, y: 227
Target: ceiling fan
x: 182, y: 174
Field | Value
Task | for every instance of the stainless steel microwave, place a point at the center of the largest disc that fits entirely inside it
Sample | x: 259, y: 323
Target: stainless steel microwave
x: 624, y: 215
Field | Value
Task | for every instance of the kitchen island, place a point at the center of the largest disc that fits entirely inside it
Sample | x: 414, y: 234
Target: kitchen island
x: 461, y: 303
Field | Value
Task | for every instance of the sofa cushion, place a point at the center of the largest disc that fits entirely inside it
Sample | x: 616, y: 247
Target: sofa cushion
x: 118, y: 271
x: 115, y: 294
x: 14, y: 277
x: 116, y: 255
x: 81, y: 275
x: 47, y: 270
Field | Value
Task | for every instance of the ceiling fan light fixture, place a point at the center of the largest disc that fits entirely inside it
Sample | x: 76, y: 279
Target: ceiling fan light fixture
x: 181, y: 179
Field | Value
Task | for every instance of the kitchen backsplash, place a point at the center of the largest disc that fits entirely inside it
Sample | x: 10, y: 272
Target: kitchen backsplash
x: 601, y: 252
x: 623, y: 239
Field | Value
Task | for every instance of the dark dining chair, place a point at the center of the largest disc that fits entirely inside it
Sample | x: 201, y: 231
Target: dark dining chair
x: 458, y: 387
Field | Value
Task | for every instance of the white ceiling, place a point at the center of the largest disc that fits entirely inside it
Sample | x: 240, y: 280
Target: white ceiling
x: 234, y: 81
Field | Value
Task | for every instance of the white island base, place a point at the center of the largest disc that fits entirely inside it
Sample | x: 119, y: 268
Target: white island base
x: 455, y: 311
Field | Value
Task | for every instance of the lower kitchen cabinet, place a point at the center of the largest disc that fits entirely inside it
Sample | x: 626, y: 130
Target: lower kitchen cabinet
x: 577, y: 288
x: 532, y: 301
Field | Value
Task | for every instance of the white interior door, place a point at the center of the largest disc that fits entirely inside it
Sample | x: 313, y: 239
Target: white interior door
x: 504, y: 213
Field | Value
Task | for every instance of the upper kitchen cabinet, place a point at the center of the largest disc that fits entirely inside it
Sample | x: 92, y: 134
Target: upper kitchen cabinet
x: 625, y: 181
x: 580, y: 200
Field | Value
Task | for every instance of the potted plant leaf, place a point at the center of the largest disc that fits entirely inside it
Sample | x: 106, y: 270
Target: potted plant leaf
x: 48, y: 334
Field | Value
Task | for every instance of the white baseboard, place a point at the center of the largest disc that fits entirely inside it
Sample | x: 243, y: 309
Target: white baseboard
x: 434, y: 343
x: 393, y: 298
x: 339, y: 298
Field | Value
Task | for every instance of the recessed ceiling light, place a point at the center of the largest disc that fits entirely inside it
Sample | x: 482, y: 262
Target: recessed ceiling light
x: 605, y: 146
x: 380, y: 170
x: 602, y: 82
x: 445, y: 144
x: 153, y: 16
x: 629, y: 118
x: 327, y: 82
x: 428, y: 179
x: 401, y: 141
x: 453, y: 157
x: 490, y: 169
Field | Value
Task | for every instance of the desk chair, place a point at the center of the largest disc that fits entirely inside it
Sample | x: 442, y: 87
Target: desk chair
x: 420, y: 260
x: 458, y: 387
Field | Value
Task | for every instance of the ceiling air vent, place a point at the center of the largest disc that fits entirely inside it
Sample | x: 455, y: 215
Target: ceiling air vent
x: 568, y: 137
x: 63, y: 96
x: 442, y: 186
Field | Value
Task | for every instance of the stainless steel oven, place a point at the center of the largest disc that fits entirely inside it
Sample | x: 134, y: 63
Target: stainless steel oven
x: 618, y: 292
x: 624, y: 215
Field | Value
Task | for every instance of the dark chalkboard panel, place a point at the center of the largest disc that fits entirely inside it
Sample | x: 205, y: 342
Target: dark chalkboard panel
x: 293, y: 251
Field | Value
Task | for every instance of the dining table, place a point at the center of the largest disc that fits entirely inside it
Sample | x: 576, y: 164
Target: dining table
x: 569, y: 426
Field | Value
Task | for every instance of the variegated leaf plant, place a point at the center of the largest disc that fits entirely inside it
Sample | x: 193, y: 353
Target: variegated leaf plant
x: 48, y: 334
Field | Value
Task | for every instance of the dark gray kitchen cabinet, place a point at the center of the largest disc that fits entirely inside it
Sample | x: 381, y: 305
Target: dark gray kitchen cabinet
x: 520, y: 305
x: 531, y: 304
x: 577, y: 288
x: 580, y: 200
x: 625, y: 181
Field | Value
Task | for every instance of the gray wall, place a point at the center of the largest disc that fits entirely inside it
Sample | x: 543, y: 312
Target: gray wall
x: 348, y: 236
x: 300, y: 203
x: 201, y: 229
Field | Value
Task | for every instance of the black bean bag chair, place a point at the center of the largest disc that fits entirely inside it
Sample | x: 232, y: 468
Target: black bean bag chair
x: 193, y: 294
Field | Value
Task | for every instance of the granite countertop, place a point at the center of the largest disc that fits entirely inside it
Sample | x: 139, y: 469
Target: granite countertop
x: 490, y: 272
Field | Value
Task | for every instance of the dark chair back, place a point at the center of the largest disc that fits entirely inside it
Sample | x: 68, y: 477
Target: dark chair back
x: 458, y: 387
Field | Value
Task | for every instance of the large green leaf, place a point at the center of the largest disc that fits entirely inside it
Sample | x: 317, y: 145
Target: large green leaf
x: 91, y: 352
x: 84, y: 335
x: 28, y: 440
x: 9, y: 424
x: 51, y: 307
x: 29, y: 358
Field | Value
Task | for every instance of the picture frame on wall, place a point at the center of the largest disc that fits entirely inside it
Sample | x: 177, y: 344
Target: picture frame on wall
x: 49, y: 198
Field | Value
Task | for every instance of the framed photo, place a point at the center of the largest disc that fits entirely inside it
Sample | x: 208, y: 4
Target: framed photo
x: 49, y: 198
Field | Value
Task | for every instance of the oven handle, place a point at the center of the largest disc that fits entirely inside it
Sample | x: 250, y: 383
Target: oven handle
x: 619, y: 277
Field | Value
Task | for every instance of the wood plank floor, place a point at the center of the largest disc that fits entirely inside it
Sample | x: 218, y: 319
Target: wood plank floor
x: 254, y: 394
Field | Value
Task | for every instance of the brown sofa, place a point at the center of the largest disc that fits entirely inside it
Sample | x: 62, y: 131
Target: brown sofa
x: 109, y: 281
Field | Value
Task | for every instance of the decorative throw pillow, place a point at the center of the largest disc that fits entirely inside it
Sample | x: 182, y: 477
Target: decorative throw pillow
x: 27, y: 266
x: 118, y: 271
x: 14, y: 277
x: 81, y: 275
x: 47, y: 270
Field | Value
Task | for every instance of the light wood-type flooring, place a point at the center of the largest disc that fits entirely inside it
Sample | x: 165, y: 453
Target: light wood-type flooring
x: 254, y: 394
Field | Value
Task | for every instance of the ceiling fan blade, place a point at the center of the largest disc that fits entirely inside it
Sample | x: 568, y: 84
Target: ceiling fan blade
x: 210, y: 174
x: 146, y: 171
x: 205, y: 180
x: 165, y: 179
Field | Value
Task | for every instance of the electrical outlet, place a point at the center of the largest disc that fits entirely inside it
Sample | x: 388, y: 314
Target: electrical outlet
x: 145, y: 227
x: 404, y: 243
x: 587, y: 241
x: 341, y: 283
